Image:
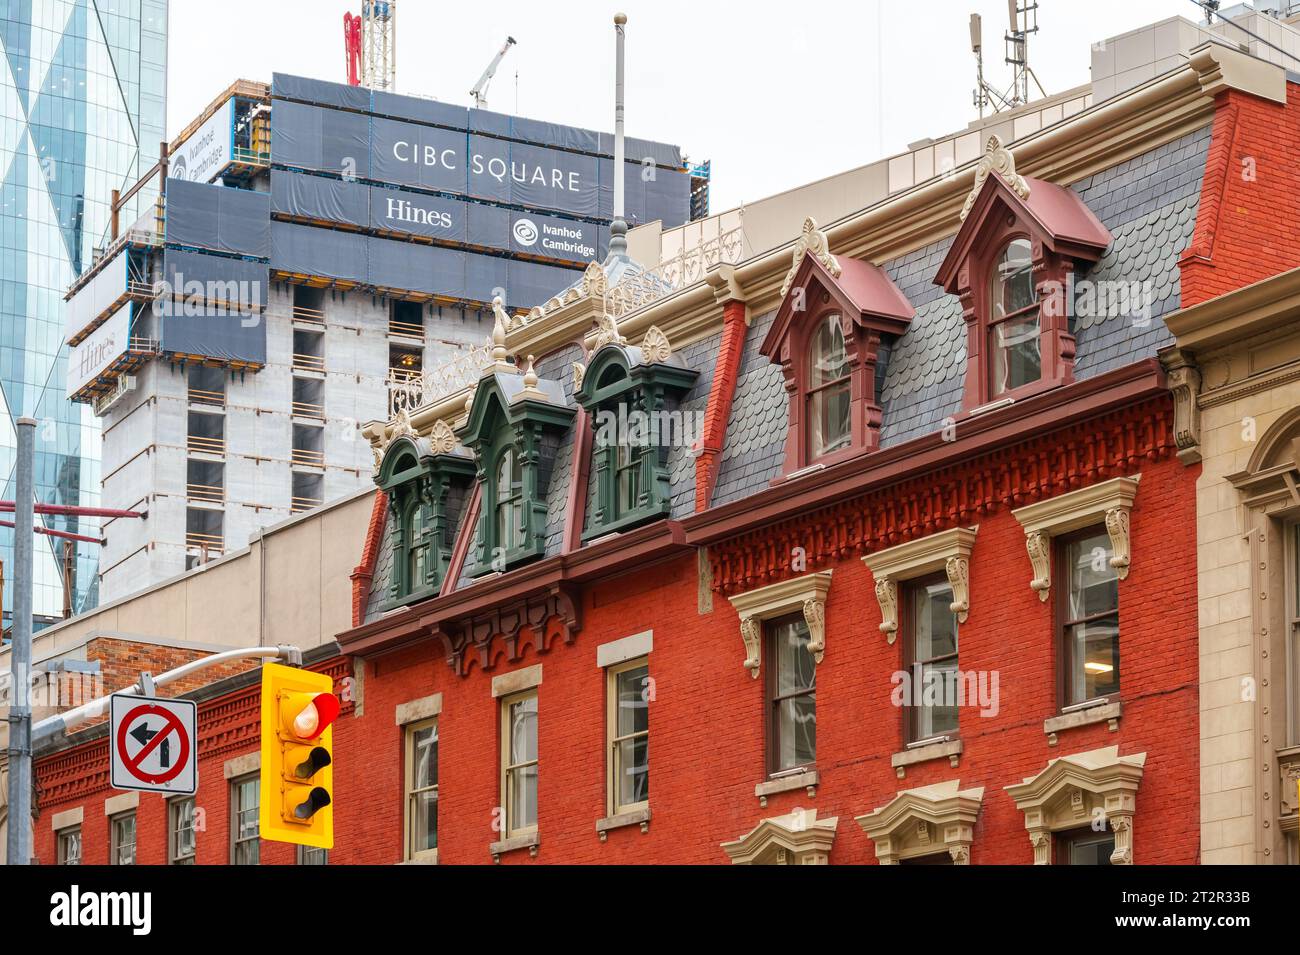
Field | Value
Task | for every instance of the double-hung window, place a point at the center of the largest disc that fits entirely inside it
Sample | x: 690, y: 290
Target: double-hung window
x: 69, y: 848
x: 422, y: 790
x: 1089, y: 613
x: 931, y: 647
x: 629, y: 736
x: 1014, y: 353
x: 180, y: 831
x: 519, y: 763
x: 122, y: 839
x: 792, y: 695
x: 245, y: 846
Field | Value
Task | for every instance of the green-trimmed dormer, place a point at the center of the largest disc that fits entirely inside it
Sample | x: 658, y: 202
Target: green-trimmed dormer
x: 513, y: 427
x: 632, y: 394
x: 425, y: 480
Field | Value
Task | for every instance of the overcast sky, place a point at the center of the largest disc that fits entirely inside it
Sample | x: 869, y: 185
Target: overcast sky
x: 776, y: 94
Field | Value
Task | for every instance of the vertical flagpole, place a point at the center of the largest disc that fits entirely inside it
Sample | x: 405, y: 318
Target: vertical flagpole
x: 618, y: 228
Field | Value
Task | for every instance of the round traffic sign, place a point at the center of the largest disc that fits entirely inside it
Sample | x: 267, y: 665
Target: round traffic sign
x: 154, y: 738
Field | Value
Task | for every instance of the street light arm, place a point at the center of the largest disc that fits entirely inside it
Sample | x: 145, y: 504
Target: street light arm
x: 89, y: 711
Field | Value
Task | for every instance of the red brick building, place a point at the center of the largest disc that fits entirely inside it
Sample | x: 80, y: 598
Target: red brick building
x: 927, y: 450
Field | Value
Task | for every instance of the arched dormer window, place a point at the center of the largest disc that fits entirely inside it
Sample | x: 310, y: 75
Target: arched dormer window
x: 1015, y: 358
x: 829, y: 395
x: 513, y: 427
x: 1010, y: 264
x: 425, y: 480
x: 826, y: 336
x: 632, y: 393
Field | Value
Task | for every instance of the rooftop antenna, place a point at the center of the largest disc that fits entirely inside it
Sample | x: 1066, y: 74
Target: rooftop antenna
x: 1024, y: 21
x: 984, y: 95
x: 618, y: 227
x: 479, y: 92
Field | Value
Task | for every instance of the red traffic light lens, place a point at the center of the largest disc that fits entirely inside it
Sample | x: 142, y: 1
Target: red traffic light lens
x: 313, y: 718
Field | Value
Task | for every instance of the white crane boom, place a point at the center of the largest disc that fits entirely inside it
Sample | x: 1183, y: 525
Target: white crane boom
x: 479, y: 92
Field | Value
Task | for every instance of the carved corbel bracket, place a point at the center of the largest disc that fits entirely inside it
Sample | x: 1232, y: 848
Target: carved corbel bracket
x: 1117, y: 528
x: 751, y: 631
x: 958, y: 571
x: 887, y: 597
x: 1039, y: 545
x: 814, y: 614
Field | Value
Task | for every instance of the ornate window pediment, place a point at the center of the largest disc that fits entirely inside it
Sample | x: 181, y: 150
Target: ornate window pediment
x: 632, y: 392
x: 925, y: 821
x: 948, y: 551
x: 1079, y: 791
x: 799, y: 838
x: 826, y: 336
x: 1019, y: 241
x: 424, y: 479
x: 1107, y: 502
x: 513, y: 426
x: 806, y: 595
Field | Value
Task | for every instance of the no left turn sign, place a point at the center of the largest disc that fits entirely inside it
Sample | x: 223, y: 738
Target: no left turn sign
x: 152, y: 744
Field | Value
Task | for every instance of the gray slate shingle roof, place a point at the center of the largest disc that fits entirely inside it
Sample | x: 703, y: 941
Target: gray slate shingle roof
x: 1149, y: 205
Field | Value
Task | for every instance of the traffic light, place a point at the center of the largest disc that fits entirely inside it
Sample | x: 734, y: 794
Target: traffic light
x: 297, y: 777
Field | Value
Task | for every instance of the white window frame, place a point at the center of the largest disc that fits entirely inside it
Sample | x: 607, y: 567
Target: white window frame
x: 612, y: 739
x: 173, y: 833
x: 509, y: 829
x: 235, y: 809
x: 114, y: 846
x: 410, y: 854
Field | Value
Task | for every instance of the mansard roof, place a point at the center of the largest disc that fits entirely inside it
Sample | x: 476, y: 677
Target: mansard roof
x: 1147, y: 205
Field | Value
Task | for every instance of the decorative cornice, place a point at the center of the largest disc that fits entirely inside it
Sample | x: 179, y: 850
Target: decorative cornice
x: 806, y: 595
x: 811, y: 241
x: 893, y: 495
x: 799, y: 838
x: 997, y: 160
x: 1107, y: 502
x: 924, y: 821
x: 948, y: 550
x: 442, y: 440
x: 655, y: 348
x: 1073, y: 790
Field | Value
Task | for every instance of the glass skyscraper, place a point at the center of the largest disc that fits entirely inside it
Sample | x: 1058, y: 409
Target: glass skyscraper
x: 82, y: 96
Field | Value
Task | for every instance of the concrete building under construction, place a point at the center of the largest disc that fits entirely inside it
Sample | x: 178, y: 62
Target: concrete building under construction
x: 319, y: 256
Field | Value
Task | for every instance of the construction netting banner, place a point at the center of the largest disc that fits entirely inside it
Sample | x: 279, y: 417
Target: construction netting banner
x: 501, y: 159
x: 385, y: 263
x: 389, y: 210
x: 212, y: 305
x: 235, y: 221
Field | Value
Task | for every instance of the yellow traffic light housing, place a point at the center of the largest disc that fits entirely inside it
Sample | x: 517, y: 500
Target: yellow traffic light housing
x: 297, y: 776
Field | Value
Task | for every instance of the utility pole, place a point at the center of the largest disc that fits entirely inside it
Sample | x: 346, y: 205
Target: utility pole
x: 19, y: 842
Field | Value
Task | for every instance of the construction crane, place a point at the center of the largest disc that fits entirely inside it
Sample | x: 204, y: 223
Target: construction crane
x: 479, y: 92
x: 370, y: 45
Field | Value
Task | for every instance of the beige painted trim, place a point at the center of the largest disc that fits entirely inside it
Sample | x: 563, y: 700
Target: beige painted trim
x: 68, y: 818
x: 925, y: 821
x: 517, y: 681
x: 530, y: 840
x: 805, y: 594
x: 427, y: 857
x: 627, y: 648
x: 1073, y: 791
x: 806, y: 779
x: 948, y: 551
x: 950, y: 749
x: 1107, y: 502
x: 123, y: 802
x: 414, y: 711
x: 1227, y: 319
x: 1104, y: 713
x: 242, y: 765
x: 515, y: 836
x: 799, y: 838
x: 632, y: 817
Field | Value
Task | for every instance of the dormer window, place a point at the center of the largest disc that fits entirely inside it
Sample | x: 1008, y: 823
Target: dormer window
x: 632, y: 393
x: 513, y: 426
x: 425, y: 479
x: 826, y: 336
x: 829, y: 427
x: 1009, y: 264
x: 1015, y: 359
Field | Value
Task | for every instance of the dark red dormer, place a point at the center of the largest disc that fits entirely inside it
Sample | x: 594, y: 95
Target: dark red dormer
x: 1010, y: 262
x: 826, y: 337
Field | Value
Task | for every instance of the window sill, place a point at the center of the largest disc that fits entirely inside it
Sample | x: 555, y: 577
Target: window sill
x: 628, y: 521
x: 510, y: 560
x: 1008, y: 398
x: 807, y: 779
x: 427, y: 857
x: 528, y: 840
x: 923, y: 754
x: 632, y: 817
x: 415, y: 596
x: 1102, y: 712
